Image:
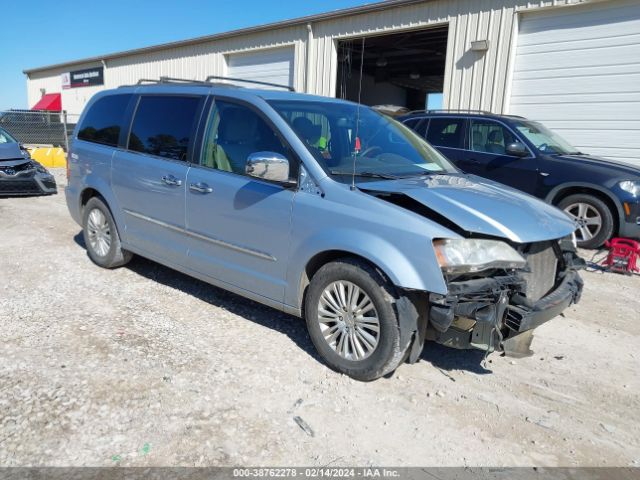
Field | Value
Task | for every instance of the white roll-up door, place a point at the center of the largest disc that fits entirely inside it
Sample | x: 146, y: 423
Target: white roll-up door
x: 272, y: 66
x: 577, y: 70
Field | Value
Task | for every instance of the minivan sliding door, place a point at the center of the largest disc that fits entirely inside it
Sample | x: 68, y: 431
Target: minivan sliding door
x: 149, y: 178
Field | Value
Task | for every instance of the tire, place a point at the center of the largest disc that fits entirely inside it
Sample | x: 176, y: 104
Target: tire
x: 98, y: 225
x: 588, y: 210
x: 365, y: 363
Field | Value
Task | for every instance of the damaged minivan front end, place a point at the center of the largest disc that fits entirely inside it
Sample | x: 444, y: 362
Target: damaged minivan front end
x: 496, y: 304
x: 509, y: 266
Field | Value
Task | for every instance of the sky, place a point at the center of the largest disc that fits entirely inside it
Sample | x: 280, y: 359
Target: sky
x: 36, y: 33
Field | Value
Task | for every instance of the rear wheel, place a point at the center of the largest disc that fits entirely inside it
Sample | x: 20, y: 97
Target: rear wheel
x: 101, y: 236
x: 352, y: 320
x: 595, y: 220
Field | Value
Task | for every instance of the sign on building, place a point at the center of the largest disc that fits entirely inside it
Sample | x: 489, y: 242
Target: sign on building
x: 88, y: 77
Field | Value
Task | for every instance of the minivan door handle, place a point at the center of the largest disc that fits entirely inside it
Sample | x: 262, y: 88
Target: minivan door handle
x: 200, y: 188
x: 171, y: 181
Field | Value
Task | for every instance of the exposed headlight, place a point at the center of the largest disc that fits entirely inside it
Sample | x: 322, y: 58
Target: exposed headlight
x: 25, y: 154
x: 633, y: 187
x: 475, y: 255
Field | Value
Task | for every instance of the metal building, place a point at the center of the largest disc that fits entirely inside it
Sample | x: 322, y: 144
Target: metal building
x: 572, y: 64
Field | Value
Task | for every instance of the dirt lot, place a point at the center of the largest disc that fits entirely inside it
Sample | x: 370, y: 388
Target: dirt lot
x: 144, y: 366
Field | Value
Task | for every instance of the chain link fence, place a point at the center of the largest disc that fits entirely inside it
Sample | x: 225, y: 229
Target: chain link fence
x: 34, y: 128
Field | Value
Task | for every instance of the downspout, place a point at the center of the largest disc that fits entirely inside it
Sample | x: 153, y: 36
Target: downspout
x: 104, y: 71
x: 307, y: 74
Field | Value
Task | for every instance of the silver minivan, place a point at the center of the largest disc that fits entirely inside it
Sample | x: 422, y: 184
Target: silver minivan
x: 323, y: 209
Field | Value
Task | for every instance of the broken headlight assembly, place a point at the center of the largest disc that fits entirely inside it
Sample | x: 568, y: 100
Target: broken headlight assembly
x: 39, y: 168
x: 467, y: 255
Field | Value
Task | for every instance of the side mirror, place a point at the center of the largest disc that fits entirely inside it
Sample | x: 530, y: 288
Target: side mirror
x: 268, y: 166
x: 517, y: 149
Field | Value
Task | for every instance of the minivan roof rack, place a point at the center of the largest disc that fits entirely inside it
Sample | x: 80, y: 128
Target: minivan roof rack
x: 254, y: 82
x: 172, y: 80
x: 207, y: 81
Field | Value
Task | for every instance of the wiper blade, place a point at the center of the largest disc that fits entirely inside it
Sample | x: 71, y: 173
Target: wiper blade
x: 386, y: 176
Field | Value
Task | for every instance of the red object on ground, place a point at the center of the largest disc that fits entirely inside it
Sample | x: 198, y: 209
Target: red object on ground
x: 50, y: 101
x: 623, y: 257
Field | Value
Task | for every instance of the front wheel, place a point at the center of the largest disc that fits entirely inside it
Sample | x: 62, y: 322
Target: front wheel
x: 595, y: 220
x: 352, y: 321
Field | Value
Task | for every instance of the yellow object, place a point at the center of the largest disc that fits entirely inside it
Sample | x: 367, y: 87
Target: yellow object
x: 49, y: 157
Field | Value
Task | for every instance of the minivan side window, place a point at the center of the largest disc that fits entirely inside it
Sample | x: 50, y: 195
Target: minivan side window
x: 446, y: 132
x: 103, y: 121
x: 234, y: 132
x: 489, y: 137
x: 164, y: 125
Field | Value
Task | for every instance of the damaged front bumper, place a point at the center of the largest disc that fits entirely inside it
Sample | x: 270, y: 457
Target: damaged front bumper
x: 494, y: 313
x: 24, y: 178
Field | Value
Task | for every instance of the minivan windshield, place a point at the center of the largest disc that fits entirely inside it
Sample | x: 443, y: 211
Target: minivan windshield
x: 544, y: 139
x: 337, y: 133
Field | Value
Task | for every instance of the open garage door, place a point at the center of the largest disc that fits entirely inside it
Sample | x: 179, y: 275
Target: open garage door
x: 400, y: 69
x: 577, y: 70
x: 272, y: 66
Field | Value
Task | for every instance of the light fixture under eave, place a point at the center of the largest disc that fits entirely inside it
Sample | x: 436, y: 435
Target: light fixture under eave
x: 414, y: 76
x: 381, y: 62
x: 480, y: 45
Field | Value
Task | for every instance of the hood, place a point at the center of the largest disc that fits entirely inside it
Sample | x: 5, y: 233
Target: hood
x: 483, y: 207
x: 611, y: 166
x: 10, y: 151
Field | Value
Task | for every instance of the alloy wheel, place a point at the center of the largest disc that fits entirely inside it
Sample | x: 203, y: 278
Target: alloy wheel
x: 589, y: 220
x: 99, y: 232
x: 348, y: 320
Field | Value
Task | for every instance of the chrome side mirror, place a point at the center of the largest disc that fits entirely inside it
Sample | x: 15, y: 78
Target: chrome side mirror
x: 517, y: 149
x: 268, y: 166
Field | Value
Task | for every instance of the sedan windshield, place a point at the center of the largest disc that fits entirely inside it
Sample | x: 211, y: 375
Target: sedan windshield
x: 6, y: 138
x: 339, y: 135
x: 544, y: 139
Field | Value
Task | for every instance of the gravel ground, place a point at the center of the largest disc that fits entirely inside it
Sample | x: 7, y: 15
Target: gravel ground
x: 143, y: 366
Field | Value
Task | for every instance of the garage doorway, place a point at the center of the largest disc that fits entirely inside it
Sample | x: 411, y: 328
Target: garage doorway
x: 401, y: 70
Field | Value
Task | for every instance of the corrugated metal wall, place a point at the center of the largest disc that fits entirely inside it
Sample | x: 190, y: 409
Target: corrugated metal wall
x: 472, y: 80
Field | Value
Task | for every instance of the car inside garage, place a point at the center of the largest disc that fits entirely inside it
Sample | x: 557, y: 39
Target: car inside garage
x: 400, y: 69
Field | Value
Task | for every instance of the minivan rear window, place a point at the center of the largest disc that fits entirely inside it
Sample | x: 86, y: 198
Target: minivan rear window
x: 103, y: 121
x: 164, y: 125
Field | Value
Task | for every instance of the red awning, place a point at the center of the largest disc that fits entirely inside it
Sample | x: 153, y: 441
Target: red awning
x: 50, y: 101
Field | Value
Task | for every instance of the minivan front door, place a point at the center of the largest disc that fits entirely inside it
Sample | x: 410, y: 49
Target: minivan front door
x: 238, y: 225
x: 149, y: 178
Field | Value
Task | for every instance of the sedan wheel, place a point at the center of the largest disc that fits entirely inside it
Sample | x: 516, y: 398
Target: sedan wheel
x: 99, y: 232
x: 348, y: 320
x: 588, y: 218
